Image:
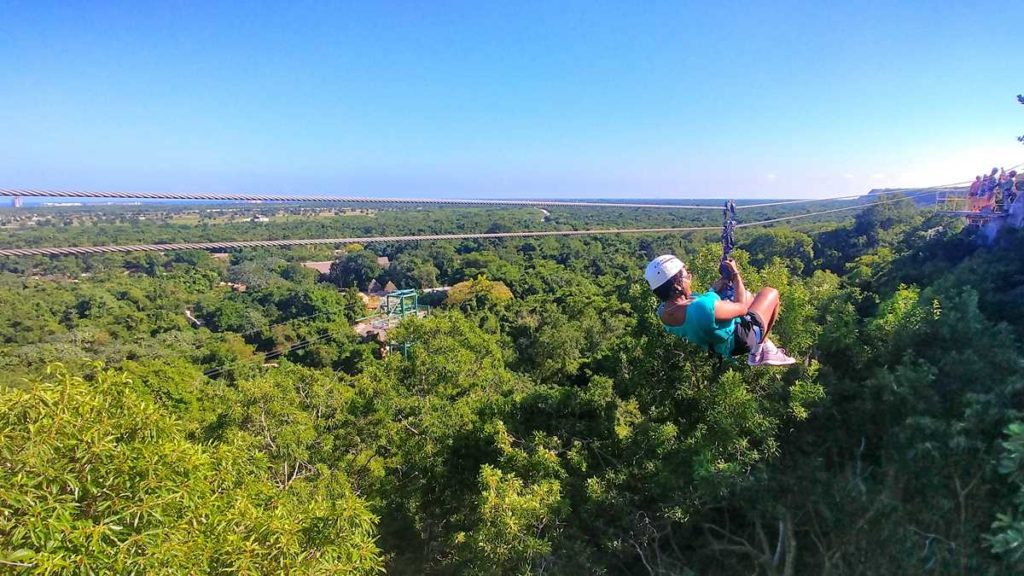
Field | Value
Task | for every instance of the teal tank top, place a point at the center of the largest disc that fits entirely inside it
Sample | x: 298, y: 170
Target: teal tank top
x: 701, y: 328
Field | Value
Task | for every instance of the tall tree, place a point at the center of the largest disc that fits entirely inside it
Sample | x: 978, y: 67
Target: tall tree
x: 97, y: 480
x: 355, y: 270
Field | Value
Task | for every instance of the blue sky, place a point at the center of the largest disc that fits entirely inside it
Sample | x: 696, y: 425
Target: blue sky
x: 526, y: 99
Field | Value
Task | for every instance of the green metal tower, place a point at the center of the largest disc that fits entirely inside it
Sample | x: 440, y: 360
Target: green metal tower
x: 400, y: 303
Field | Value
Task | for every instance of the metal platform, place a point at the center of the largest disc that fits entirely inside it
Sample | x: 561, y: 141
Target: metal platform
x: 957, y: 204
x: 970, y: 214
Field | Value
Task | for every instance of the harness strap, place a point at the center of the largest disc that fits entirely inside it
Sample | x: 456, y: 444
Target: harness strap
x: 728, y: 241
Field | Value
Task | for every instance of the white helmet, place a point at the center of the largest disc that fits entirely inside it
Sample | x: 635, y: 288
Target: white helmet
x: 661, y: 269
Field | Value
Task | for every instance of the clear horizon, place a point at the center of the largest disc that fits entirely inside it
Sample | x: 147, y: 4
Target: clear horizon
x: 528, y: 100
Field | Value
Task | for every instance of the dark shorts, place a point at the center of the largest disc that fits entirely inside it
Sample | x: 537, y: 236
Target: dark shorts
x: 746, y: 338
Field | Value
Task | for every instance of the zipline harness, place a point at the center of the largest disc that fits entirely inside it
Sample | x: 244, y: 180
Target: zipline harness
x: 728, y: 242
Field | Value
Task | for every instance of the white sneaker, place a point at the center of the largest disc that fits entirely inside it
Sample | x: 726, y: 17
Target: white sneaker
x: 776, y: 357
x: 770, y: 355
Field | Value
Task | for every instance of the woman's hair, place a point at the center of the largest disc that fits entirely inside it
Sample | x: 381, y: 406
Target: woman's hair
x: 671, y: 288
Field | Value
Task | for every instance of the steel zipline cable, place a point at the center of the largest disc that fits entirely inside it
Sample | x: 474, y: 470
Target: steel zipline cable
x: 270, y: 355
x: 117, y: 195
x: 34, y: 193
x: 269, y: 327
x: 84, y: 250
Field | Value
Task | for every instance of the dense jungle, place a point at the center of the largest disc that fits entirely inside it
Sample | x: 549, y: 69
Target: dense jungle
x: 187, y: 412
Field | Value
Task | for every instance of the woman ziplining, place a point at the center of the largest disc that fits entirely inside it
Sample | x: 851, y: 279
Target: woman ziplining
x: 726, y: 320
x: 725, y: 327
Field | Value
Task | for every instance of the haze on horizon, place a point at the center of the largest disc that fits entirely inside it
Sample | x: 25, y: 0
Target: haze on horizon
x: 524, y: 99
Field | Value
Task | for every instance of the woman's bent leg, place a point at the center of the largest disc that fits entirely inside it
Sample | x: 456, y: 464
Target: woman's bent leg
x: 766, y: 304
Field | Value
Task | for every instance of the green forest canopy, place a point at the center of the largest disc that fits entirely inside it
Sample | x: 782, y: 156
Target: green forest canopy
x: 540, y: 420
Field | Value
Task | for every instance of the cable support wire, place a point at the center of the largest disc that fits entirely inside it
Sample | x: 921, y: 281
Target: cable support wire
x: 204, y: 344
x: 274, y: 353
x: 820, y: 212
x: 294, y: 347
x: 841, y: 198
x: 269, y: 355
x: 57, y: 193
x: 84, y: 250
x: 36, y: 193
